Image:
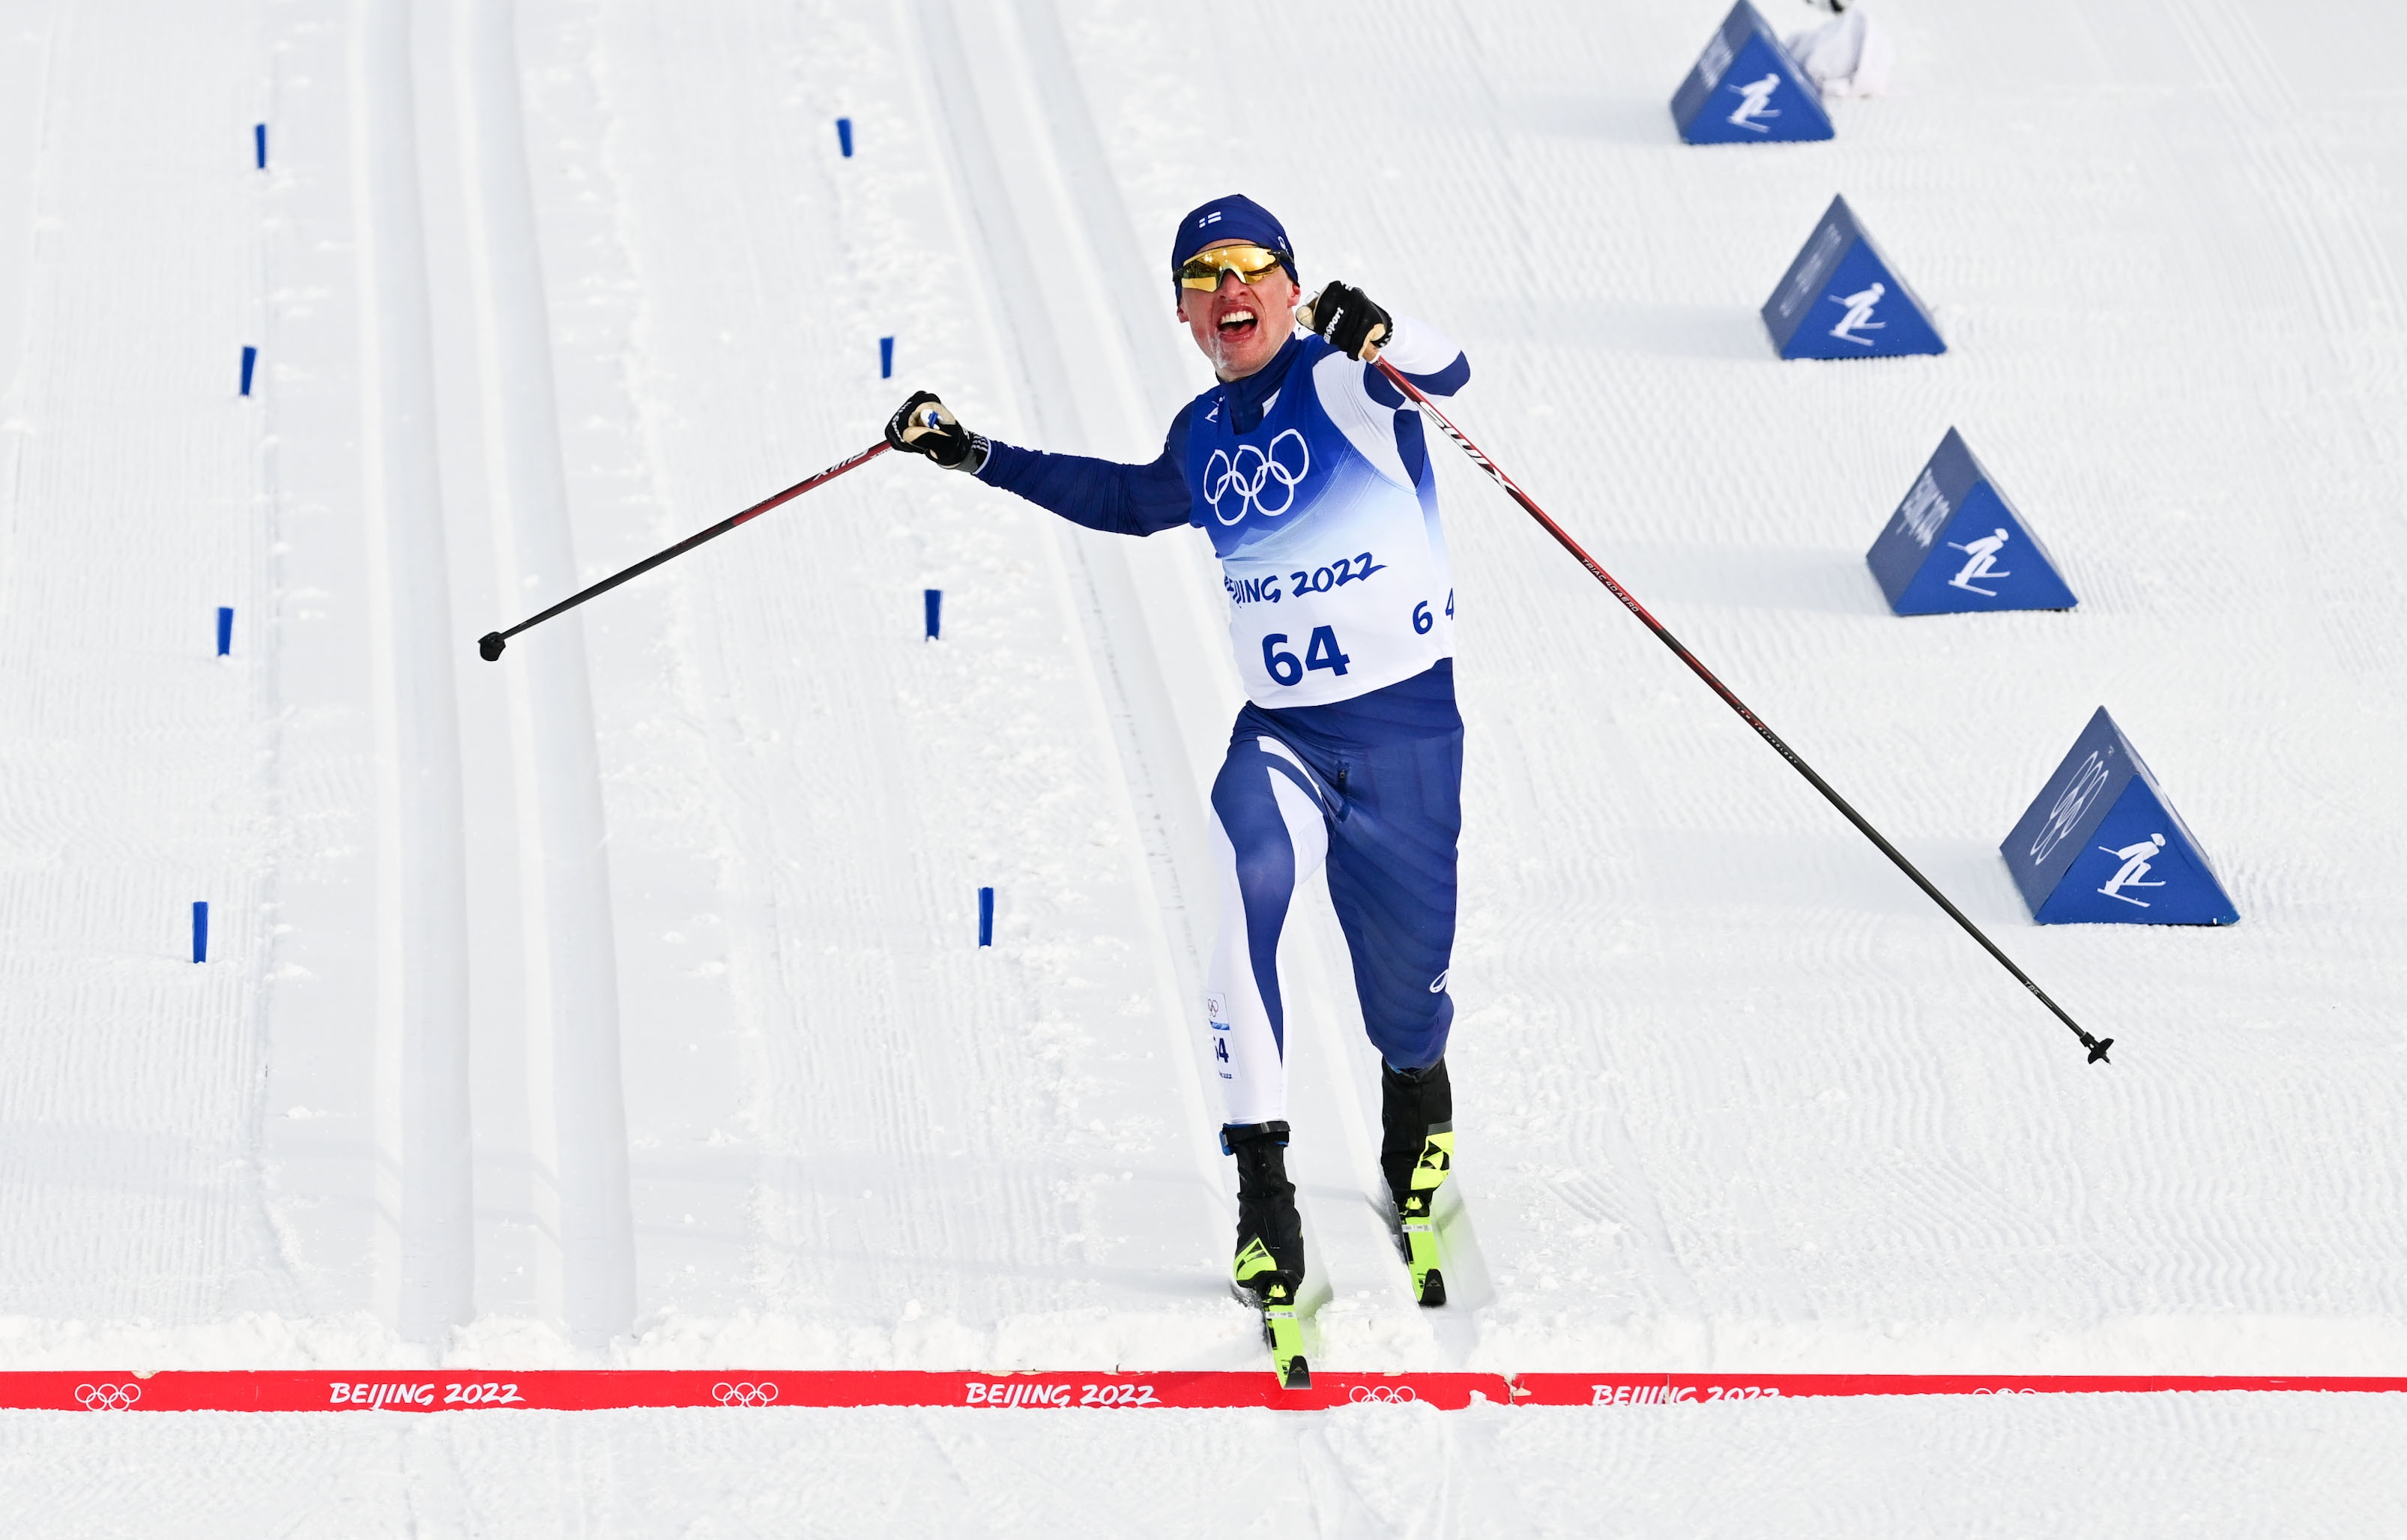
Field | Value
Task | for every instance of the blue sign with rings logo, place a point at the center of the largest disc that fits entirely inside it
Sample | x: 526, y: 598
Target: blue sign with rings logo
x: 2101, y: 844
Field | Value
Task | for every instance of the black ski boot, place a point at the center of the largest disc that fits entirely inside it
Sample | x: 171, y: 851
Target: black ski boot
x: 1270, y: 1241
x: 1417, y: 1153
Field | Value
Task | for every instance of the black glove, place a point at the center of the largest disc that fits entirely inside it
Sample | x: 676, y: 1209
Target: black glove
x: 1352, y: 324
x: 925, y: 425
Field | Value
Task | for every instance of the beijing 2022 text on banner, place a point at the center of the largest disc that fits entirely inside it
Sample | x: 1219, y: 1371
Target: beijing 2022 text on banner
x: 391, y: 1391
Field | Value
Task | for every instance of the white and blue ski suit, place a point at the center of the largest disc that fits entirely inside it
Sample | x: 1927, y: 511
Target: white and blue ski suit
x: 1312, y: 478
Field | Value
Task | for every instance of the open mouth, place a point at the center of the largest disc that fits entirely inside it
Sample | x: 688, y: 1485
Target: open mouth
x: 1238, y: 323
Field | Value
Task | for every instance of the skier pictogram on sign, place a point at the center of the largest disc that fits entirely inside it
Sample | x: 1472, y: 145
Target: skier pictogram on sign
x: 1956, y: 544
x: 1745, y: 89
x: 2101, y: 846
x: 1840, y: 298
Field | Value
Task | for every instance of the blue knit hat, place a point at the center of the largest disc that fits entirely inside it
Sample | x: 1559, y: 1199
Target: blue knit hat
x: 1234, y: 218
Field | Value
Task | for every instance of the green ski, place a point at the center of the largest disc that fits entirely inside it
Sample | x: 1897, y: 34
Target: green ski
x: 1285, y: 1336
x: 1417, y: 1217
x: 1259, y: 1280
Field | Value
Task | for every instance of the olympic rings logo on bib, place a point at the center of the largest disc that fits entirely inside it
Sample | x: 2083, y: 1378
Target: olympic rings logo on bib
x: 1226, y: 474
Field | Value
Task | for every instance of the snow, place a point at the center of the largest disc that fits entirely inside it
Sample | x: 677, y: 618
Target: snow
x: 2124, y: 1465
x: 735, y: 1088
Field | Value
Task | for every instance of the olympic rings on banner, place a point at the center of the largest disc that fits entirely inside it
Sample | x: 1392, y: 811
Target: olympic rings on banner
x: 1393, y: 1394
x: 744, y: 1393
x: 1224, y: 474
x: 107, y: 1398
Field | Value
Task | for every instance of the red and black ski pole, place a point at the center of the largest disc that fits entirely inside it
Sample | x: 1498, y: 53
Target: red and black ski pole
x: 491, y: 643
x: 2096, y: 1046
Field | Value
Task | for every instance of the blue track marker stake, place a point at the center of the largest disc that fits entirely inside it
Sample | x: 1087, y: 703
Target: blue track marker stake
x: 844, y: 136
x: 886, y: 358
x: 985, y: 916
x: 201, y: 931
x: 249, y: 359
x: 936, y: 611
x: 259, y: 144
x: 226, y: 630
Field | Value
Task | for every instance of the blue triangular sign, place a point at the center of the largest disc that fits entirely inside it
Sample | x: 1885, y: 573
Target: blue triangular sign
x: 1746, y: 89
x: 2101, y: 846
x: 1956, y: 544
x: 1842, y: 299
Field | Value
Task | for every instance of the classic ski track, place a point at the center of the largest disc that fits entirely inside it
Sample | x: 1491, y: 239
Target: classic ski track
x: 694, y: 924
x: 427, y: 1270
x: 1171, y: 736
x: 1125, y: 671
x: 926, y: 1164
x: 570, y: 973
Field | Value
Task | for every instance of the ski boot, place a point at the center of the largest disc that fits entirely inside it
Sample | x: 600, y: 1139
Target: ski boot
x: 1269, y: 1265
x: 1416, y: 1153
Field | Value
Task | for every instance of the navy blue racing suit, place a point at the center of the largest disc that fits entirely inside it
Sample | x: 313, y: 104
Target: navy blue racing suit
x: 1312, y: 478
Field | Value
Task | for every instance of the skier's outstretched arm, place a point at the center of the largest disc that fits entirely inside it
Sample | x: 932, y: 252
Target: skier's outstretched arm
x: 1102, y: 494
x: 1362, y: 401
x: 1357, y: 326
x: 1427, y: 357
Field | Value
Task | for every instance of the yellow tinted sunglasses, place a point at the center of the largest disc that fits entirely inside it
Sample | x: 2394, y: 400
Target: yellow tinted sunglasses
x: 1251, y: 263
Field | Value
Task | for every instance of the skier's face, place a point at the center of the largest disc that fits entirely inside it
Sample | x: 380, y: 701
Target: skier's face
x: 1241, y: 326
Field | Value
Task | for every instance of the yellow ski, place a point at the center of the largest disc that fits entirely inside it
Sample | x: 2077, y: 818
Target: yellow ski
x: 1417, y: 1219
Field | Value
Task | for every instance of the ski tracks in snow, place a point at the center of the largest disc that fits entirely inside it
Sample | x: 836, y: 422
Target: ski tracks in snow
x: 939, y: 1153
x: 578, y: 1109
x: 475, y: 1162
x: 425, y: 1244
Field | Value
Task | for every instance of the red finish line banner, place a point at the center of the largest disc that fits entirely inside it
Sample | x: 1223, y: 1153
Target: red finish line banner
x: 598, y: 1389
x: 1670, y: 1390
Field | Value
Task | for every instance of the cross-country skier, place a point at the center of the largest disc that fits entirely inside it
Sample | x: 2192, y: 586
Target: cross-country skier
x: 1306, y: 466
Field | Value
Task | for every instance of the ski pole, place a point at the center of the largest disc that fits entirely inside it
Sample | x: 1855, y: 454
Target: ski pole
x: 491, y: 643
x: 2096, y: 1046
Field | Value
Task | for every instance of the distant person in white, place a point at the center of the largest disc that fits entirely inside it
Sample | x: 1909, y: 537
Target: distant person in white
x: 1859, y: 315
x: 2135, y: 860
x: 1755, y: 101
x: 1847, y: 57
x: 1981, y: 562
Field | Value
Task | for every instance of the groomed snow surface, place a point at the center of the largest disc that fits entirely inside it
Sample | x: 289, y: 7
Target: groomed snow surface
x: 618, y: 1003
